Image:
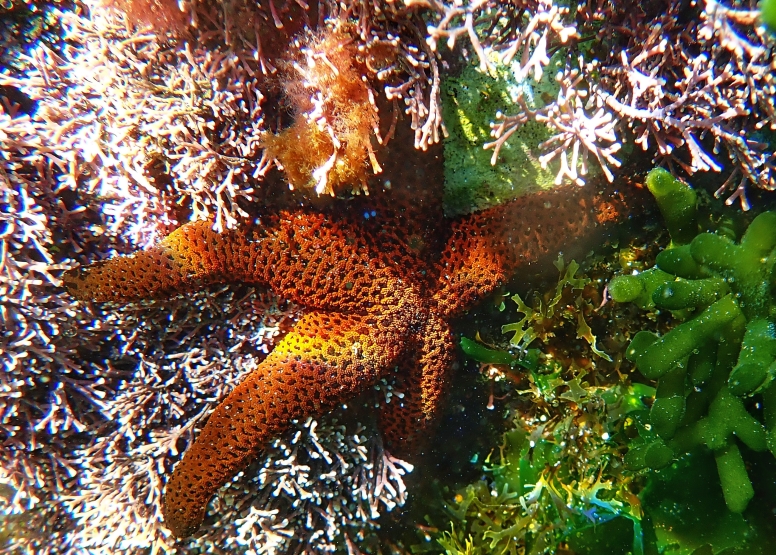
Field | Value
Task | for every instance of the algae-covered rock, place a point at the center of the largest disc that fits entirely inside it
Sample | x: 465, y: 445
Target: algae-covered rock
x: 470, y: 103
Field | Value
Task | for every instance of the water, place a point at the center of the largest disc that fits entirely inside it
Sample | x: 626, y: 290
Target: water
x: 326, y: 199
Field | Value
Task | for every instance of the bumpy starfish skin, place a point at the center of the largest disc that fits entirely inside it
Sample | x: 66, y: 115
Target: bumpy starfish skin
x: 374, y: 306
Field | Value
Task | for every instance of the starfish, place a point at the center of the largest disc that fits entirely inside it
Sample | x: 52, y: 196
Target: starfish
x: 375, y: 303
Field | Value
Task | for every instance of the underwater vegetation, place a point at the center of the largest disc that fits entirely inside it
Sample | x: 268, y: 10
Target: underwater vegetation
x: 714, y: 370
x: 684, y: 438
x: 469, y: 101
x: 768, y: 13
x: 601, y: 79
x: 122, y: 121
x: 25, y: 22
x: 329, y: 145
x: 556, y: 482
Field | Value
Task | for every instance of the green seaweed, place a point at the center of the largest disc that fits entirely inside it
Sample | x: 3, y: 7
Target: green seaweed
x: 678, y: 204
x: 540, y: 492
x: 557, y: 476
x: 541, y: 320
x: 638, y: 288
x: 529, y: 359
x: 654, y: 356
x: 768, y: 13
x: 706, y: 411
x: 721, y: 354
x: 685, y: 516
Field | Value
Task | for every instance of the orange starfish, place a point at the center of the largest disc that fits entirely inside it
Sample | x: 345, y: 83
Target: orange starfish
x: 374, y: 305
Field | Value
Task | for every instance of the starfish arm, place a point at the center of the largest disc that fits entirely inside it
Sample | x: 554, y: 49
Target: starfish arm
x: 304, y: 257
x: 471, y: 266
x: 405, y: 422
x: 191, y: 256
x: 487, y: 248
x: 325, y: 360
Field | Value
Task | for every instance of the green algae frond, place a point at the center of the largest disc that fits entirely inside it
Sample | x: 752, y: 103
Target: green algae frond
x: 600, y: 459
x: 556, y: 479
x: 768, y: 13
x: 540, y: 320
x: 721, y: 355
x: 678, y: 204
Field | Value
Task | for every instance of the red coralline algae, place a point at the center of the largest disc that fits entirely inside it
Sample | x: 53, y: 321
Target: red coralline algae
x: 374, y: 303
